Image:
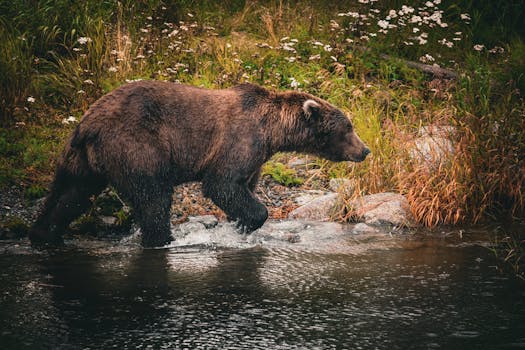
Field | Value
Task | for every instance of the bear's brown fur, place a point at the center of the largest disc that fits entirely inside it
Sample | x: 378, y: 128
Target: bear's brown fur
x: 146, y: 137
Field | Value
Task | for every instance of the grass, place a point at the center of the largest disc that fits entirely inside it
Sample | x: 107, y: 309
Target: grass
x: 57, y: 58
x: 282, y: 174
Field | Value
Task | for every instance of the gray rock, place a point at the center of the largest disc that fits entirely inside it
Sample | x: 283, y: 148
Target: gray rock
x: 342, y: 185
x: 319, y: 209
x: 209, y: 221
x: 308, y: 196
x: 433, y: 145
x: 362, y: 228
x: 298, y: 162
x: 383, y: 209
x: 108, y: 220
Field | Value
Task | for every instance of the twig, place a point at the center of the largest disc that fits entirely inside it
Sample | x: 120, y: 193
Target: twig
x: 427, y: 68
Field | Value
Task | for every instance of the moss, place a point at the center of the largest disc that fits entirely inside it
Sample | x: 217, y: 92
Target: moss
x: 13, y: 227
x: 35, y: 192
x: 282, y: 174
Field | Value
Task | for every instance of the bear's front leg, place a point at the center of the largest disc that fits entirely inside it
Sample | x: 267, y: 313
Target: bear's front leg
x: 238, y: 202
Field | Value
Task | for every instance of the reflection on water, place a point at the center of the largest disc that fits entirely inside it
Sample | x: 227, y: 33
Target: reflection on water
x: 429, y: 294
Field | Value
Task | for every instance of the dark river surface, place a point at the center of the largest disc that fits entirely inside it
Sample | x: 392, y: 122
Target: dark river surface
x: 373, y: 292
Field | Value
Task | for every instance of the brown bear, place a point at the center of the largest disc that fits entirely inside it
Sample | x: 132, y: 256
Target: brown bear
x: 146, y: 137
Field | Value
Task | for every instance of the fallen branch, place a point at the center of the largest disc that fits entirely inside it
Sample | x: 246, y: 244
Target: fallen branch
x: 435, y: 70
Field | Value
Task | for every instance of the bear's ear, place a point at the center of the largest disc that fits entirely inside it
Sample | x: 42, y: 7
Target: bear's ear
x: 310, y: 107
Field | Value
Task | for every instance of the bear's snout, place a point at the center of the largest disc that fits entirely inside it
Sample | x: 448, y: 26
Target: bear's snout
x: 366, y: 152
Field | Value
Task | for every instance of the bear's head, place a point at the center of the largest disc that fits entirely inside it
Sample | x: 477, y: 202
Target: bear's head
x: 334, y: 135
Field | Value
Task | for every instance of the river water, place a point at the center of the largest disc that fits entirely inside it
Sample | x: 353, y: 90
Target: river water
x: 288, y: 288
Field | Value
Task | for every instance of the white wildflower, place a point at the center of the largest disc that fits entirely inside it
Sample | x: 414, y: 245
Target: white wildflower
x: 446, y: 42
x: 383, y: 24
x: 479, y: 47
x: 31, y: 99
x: 315, y: 57
x: 392, y: 14
x: 415, y: 29
x: 363, y: 1
x: 112, y: 69
x: 69, y: 119
x: 465, y: 16
x: 405, y: 10
x: 144, y: 30
x: 190, y: 15
x: 294, y: 84
x: 426, y: 58
x: 429, y: 4
x: 173, y: 33
x: 327, y: 48
x: 287, y: 47
x: 416, y: 19
x: 264, y: 45
x: 497, y: 49
x: 437, y: 2
x: 349, y: 14
x: 89, y: 82
x: 84, y: 40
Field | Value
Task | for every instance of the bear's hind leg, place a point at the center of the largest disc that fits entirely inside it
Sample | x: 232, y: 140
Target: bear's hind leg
x: 68, y: 199
x: 151, y: 201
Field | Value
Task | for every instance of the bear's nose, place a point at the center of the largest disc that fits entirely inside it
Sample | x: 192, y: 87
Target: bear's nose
x: 366, y: 152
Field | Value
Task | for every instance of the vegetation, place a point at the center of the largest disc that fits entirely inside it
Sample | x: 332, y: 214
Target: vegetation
x: 282, y: 174
x: 57, y: 57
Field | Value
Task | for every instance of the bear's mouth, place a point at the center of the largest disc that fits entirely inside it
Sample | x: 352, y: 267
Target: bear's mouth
x: 357, y: 159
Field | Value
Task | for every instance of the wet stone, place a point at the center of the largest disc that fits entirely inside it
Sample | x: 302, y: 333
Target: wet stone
x: 362, y: 228
x: 108, y: 220
x: 319, y: 209
x: 209, y: 221
x: 385, y: 208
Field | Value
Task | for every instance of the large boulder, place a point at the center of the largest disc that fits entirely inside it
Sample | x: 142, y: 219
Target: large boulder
x: 320, y: 208
x: 433, y: 145
x: 385, y: 208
